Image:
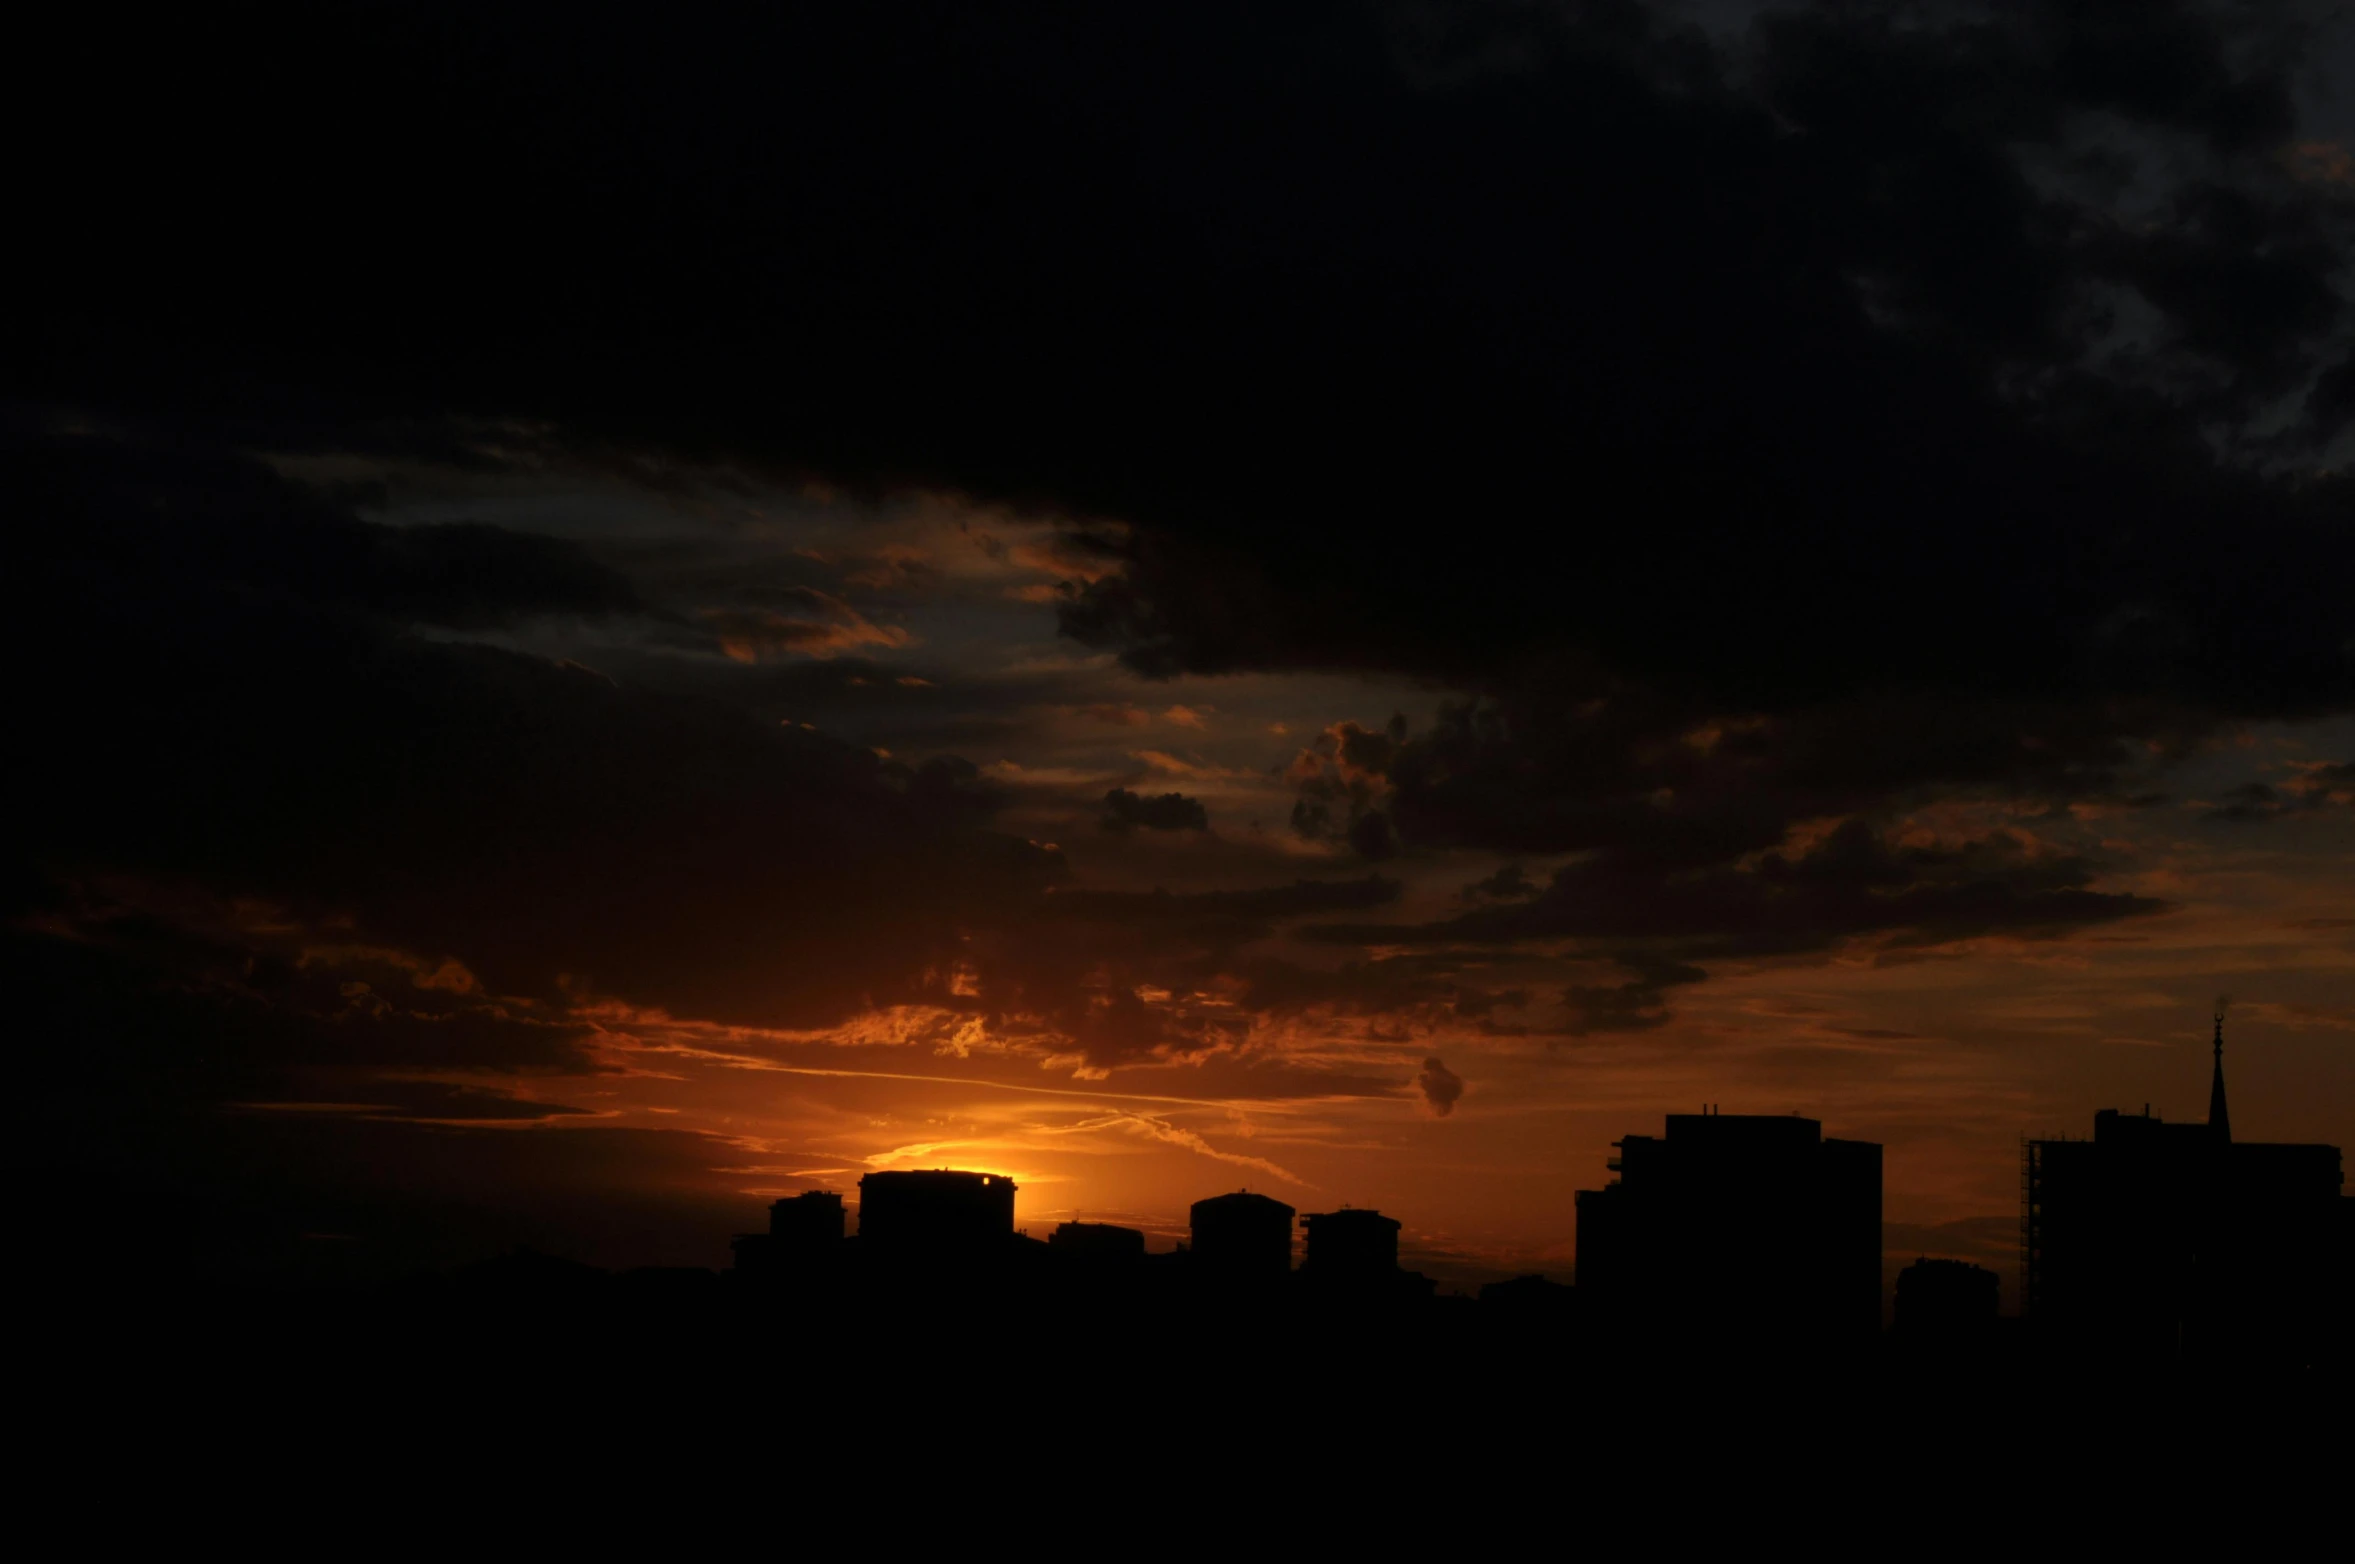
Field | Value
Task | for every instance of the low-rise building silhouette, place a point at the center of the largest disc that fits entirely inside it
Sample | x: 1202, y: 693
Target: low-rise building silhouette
x: 1350, y: 1245
x: 2153, y: 1239
x: 805, y: 1234
x: 1734, y: 1228
x: 935, y: 1212
x: 1241, y: 1237
x: 1354, y: 1253
x: 1097, y: 1241
x: 1946, y: 1302
x: 808, y: 1222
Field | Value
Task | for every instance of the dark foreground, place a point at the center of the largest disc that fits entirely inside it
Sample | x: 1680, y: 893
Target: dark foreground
x: 896, y: 1412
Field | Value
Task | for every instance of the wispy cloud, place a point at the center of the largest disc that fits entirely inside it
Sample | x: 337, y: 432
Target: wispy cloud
x: 1146, y: 1126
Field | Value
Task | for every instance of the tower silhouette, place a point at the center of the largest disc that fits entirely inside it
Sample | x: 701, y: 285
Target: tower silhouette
x: 2219, y: 1116
x: 2152, y: 1241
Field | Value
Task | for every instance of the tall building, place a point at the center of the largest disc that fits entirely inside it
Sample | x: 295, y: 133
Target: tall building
x: 1730, y: 1228
x: 1242, y: 1237
x: 937, y: 1211
x: 2153, y: 1239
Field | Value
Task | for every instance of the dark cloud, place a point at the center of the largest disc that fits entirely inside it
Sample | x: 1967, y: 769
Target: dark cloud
x: 1853, y: 884
x: 1390, y: 992
x: 239, y: 1098
x: 1439, y: 1087
x: 1919, y: 496
x: 282, y: 730
x: 309, y: 871
x: 90, y: 506
x: 1637, y: 1005
x: 1889, y: 406
x: 427, y: 1101
x: 1925, y: 303
x: 2318, y: 786
x: 1253, y: 909
x: 806, y: 622
x: 909, y: 706
x: 322, y: 861
x: 1509, y: 883
x: 1127, y: 811
x: 1136, y: 975
x: 1876, y: 351
x: 1535, y: 771
x: 140, y: 1015
x: 1145, y: 977
x: 2249, y: 801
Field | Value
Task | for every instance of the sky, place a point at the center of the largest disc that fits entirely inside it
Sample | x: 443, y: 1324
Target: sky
x: 619, y: 616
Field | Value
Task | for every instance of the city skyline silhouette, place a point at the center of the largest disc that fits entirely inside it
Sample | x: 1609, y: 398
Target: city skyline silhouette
x: 1738, y: 1242
x: 1380, y: 763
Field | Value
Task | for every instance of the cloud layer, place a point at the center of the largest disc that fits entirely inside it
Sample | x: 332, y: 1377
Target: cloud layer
x: 1819, y: 491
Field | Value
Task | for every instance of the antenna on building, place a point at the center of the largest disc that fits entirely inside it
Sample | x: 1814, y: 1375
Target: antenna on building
x: 2219, y: 1116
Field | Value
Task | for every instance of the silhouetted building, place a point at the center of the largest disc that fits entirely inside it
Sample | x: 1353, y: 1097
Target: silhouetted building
x: 1947, y: 1302
x: 1350, y: 1245
x: 1529, y: 1297
x: 2152, y: 1238
x: 809, y: 1221
x: 1354, y: 1253
x: 1098, y: 1241
x: 936, y: 1211
x: 1242, y: 1237
x: 2342, y: 1283
x: 804, y: 1236
x: 1731, y: 1228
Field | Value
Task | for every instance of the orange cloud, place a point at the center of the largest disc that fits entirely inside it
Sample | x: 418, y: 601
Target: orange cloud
x: 751, y: 635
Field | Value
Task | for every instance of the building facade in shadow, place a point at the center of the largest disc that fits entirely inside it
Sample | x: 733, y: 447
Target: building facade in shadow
x: 1736, y: 1233
x: 1946, y: 1306
x: 1241, y: 1239
x: 1097, y: 1243
x: 2154, y: 1240
x: 1352, y: 1256
x: 936, y: 1212
x: 804, y: 1240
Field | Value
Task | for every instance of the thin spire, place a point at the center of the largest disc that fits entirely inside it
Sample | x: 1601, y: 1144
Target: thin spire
x: 2219, y: 1117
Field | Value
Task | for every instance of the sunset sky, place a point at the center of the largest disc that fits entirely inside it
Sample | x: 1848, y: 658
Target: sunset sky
x: 617, y: 617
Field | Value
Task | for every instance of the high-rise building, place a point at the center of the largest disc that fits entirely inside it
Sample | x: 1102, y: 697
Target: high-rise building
x: 2152, y: 1239
x: 936, y: 1211
x: 1242, y: 1237
x: 1736, y: 1228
